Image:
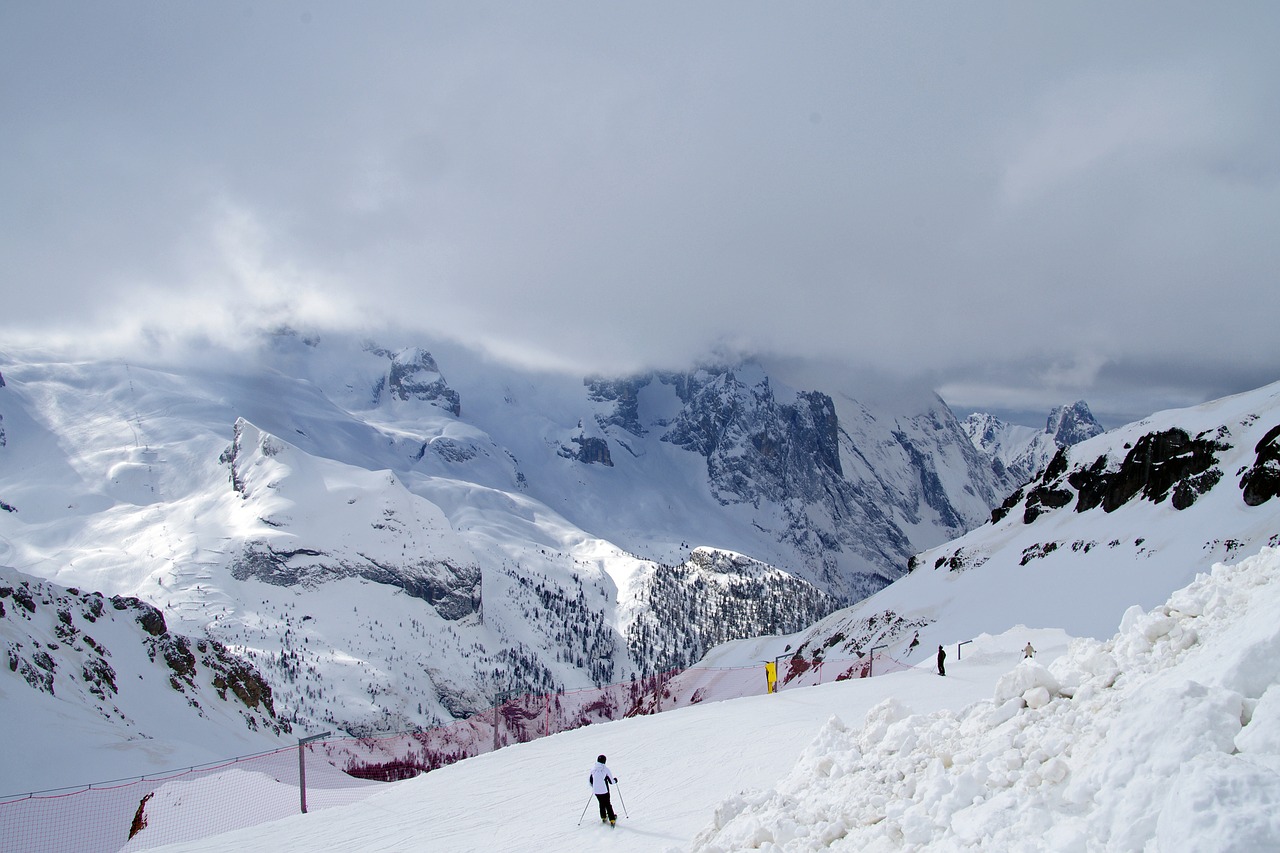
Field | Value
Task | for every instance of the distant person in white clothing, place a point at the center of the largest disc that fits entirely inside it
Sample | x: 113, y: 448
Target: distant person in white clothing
x: 601, y: 778
x: 1028, y: 652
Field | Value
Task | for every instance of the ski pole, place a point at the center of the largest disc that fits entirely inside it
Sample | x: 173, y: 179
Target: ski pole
x: 584, y: 810
x: 621, y: 801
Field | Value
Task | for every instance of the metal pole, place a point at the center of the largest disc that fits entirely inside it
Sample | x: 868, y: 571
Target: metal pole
x: 497, y: 704
x: 617, y: 786
x: 959, y: 646
x: 502, y: 698
x: 778, y: 672
x: 871, y: 664
x: 584, y: 809
x: 302, y: 766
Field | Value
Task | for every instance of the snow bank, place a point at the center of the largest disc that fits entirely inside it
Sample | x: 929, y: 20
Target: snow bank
x: 1166, y: 737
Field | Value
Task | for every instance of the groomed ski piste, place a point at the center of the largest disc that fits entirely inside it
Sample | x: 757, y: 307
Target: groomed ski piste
x: 1164, y: 738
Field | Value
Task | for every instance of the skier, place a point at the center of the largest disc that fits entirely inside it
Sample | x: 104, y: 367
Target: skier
x: 1028, y: 652
x: 942, y: 670
x: 600, y: 779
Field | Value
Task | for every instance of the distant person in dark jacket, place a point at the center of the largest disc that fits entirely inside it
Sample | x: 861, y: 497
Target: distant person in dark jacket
x: 601, y: 777
x: 942, y: 656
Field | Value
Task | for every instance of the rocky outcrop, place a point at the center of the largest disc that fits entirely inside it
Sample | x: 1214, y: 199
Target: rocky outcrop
x: 590, y: 450
x: 1160, y: 465
x: 149, y: 617
x: 1016, y: 454
x: 75, y: 662
x: 1261, y: 483
x: 757, y: 447
x: 625, y: 395
x: 1167, y: 465
x: 1070, y: 425
x: 414, y: 375
x: 454, y: 591
x: 835, y: 495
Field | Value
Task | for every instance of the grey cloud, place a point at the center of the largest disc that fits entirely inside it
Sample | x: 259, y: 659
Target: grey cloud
x: 974, y: 195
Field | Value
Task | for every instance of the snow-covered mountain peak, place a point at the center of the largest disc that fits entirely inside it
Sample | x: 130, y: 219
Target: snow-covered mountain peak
x: 1018, y: 452
x: 1069, y: 425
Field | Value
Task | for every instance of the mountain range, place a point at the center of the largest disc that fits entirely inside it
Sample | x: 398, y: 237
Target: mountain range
x: 379, y: 547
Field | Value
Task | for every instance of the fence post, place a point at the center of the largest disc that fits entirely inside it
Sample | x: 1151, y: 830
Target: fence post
x: 501, y: 699
x: 871, y: 660
x: 302, y: 766
x: 778, y: 674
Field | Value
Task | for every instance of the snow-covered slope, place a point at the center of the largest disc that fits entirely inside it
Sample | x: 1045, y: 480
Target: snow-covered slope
x: 1165, y: 737
x: 1161, y: 738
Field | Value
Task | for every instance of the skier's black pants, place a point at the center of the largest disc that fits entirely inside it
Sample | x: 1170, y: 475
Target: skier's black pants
x: 606, y: 808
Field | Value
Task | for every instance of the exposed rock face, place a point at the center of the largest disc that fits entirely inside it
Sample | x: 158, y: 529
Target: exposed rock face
x: 837, y: 494
x: 1261, y: 483
x: 591, y: 450
x: 1019, y: 453
x: 757, y: 447
x: 1160, y: 465
x: 625, y: 395
x: 761, y: 449
x: 149, y: 617
x: 1070, y: 425
x: 77, y: 663
x: 454, y: 591
x: 414, y: 375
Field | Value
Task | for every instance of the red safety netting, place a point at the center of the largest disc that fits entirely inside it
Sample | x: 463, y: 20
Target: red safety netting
x: 138, y: 814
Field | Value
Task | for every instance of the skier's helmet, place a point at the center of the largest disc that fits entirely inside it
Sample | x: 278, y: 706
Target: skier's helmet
x: 600, y: 758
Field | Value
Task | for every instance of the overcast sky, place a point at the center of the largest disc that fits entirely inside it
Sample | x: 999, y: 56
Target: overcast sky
x: 1020, y: 203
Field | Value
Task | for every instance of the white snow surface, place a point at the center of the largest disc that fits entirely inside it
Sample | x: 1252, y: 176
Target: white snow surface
x: 1161, y: 738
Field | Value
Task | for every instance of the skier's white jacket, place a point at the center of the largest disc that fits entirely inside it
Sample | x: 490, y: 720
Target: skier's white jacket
x: 601, y: 775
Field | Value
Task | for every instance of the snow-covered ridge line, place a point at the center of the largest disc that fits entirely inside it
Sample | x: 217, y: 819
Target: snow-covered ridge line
x: 1164, y: 737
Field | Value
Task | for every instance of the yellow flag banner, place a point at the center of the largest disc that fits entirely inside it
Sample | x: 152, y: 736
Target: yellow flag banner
x: 771, y: 676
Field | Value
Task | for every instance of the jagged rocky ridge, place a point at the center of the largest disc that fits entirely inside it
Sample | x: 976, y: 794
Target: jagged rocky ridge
x: 1160, y: 465
x: 1019, y: 453
x: 83, y: 648
x: 852, y: 497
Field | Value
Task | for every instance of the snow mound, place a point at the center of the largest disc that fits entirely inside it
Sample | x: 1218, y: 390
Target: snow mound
x: 1165, y: 737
